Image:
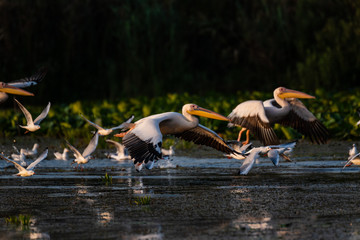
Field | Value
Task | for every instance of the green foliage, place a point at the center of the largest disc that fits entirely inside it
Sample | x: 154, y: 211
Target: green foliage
x: 21, y: 220
x: 107, y: 179
x: 146, y: 200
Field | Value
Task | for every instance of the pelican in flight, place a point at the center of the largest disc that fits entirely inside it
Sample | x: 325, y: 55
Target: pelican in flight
x: 29, y: 171
x: 104, y: 131
x: 144, y: 139
x: 14, y: 87
x: 85, y: 156
x: 259, y: 117
x: 121, y: 151
x: 32, y: 126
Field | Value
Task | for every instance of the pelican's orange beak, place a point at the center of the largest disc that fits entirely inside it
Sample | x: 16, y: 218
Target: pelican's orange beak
x: 289, y: 93
x: 202, y: 112
x: 14, y: 90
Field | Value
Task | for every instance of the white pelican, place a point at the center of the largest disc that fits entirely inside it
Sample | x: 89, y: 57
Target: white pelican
x: 84, y: 158
x: 29, y: 171
x: 121, y: 151
x: 63, y: 155
x: 31, y: 152
x: 144, y: 139
x: 249, y: 161
x: 103, y: 131
x: 32, y: 126
x: 259, y: 117
x: 354, y: 157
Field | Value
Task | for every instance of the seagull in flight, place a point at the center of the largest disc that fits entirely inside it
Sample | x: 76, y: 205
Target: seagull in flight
x: 32, y: 126
x: 104, y: 131
x: 85, y: 156
x: 121, y: 151
x: 29, y: 171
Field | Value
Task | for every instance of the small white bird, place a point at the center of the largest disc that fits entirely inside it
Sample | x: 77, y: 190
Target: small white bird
x: 249, y: 161
x: 31, y: 152
x: 168, y: 153
x: 32, y: 126
x: 85, y: 157
x: 63, y: 155
x: 20, y: 158
x: 354, y: 157
x: 239, y: 147
x: 281, y: 150
x: 105, y: 132
x: 29, y: 171
x: 121, y: 151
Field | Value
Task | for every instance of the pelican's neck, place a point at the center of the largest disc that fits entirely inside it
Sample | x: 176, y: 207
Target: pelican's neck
x: 281, y: 101
x: 190, y: 118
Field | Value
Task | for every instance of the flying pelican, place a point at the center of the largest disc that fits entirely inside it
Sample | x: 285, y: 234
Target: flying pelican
x: 29, y: 171
x: 32, y: 126
x: 84, y: 158
x: 249, y: 161
x: 62, y: 156
x: 103, y: 131
x: 144, y: 139
x: 121, y: 151
x: 259, y: 117
x: 14, y: 87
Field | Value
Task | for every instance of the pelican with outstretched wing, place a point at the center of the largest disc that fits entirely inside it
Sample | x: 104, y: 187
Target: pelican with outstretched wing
x: 144, y: 139
x: 258, y: 117
x: 14, y: 87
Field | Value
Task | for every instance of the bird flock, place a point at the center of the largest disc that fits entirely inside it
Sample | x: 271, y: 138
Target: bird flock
x: 142, y: 140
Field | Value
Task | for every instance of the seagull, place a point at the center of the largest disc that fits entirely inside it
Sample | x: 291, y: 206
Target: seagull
x: 14, y: 87
x: 121, y: 151
x: 281, y: 150
x: 354, y: 157
x: 63, y: 155
x: 254, y: 154
x: 31, y: 152
x: 20, y: 157
x: 85, y: 157
x: 239, y: 147
x: 103, y: 131
x: 168, y: 153
x: 32, y: 126
x: 29, y: 171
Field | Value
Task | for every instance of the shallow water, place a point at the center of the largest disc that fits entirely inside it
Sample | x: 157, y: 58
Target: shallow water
x: 190, y: 197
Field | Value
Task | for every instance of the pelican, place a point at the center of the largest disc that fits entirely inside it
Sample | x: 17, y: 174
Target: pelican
x: 121, y: 151
x: 103, y: 131
x: 144, y: 139
x: 63, y: 155
x: 29, y: 171
x: 354, y: 157
x: 32, y: 126
x: 253, y: 155
x: 14, y: 87
x: 259, y: 117
x: 85, y: 156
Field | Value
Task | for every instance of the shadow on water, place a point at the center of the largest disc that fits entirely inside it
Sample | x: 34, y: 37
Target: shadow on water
x: 185, y: 197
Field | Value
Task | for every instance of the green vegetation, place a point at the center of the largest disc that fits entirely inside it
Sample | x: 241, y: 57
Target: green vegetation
x: 21, y: 220
x: 337, y: 111
x: 107, y: 179
x: 146, y: 200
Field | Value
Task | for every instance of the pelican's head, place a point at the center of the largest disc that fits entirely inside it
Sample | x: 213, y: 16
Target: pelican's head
x: 13, y: 90
x: 194, y: 109
x: 282, y: 92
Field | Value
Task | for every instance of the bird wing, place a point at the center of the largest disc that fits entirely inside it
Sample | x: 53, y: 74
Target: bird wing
x: 125, y: 124
x: 91, y: 123
x: 27, y: 114
x: 352, y: 158
x: 18, y: 166
x: 204, y: 136
x: 144, y: 141
x: 43, y: 114
x: 251, y: 115
x: 301, y: 119
x: 274, y: 156
x: 284, y: 145
x: 92, y: 146
x: 29, y: 81
x: 249, y: 162
x: 75, y: 151
x: 39, y: 159
x: 119, y: 147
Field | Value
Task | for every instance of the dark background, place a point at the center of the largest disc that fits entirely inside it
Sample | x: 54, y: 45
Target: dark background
x: 110, y: 49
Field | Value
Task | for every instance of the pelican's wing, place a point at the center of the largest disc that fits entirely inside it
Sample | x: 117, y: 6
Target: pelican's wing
x: 119, y: 147
x: 43, y: 115
x: 91, y: 123
x: 144, y: 141
x: 204, y: 136
x: 251, y: 115
x: 39, y: 159
x: 27, y: 114
x: 75, y: 151
x: 249, y: 162
x: 92, y: 146
x: 29, y: 81
x: 274, y: 156
x: 305, y: 122
x: 18, y: 166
